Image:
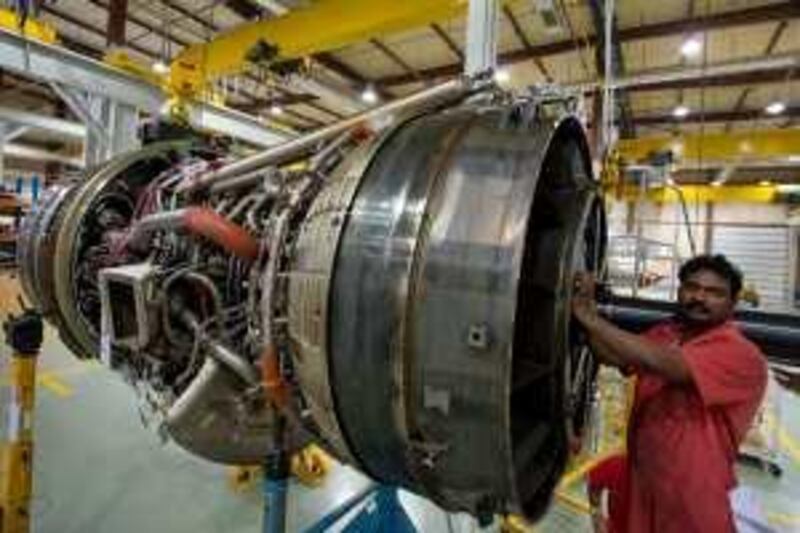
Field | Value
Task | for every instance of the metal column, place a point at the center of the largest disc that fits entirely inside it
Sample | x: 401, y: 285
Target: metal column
x: 482, y: 24
x: 608, y: 132
x: 3, y: 129
x: 111, y: 126
x: 8, y: 132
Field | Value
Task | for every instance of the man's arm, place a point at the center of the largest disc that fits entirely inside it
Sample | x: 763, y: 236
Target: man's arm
x: 619, y: 348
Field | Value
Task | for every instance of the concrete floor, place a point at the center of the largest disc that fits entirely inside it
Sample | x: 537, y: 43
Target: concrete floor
x: 98, y: 469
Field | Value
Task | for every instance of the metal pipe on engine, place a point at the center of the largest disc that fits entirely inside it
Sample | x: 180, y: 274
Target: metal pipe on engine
x: 167, y: 220
x: 296, y: 147
x: 234, y: 362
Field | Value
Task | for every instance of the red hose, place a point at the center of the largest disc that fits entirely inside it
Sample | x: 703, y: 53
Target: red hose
x: 216, y: 228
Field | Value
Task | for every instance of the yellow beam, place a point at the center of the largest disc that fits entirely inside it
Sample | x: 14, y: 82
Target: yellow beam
x: 734, y: 146
x: 705, y: 193
x: 124, y: 61
x: 322, y: 25
x: 34, y: 29
x: 574, y: 502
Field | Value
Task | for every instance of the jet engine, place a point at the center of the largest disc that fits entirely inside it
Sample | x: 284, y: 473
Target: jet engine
x: 400, y: 296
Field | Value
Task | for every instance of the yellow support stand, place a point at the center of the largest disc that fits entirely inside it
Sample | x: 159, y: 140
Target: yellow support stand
x: 24, y: 335
x: 35, y: 29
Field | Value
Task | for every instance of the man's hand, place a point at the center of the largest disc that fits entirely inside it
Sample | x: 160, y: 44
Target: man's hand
x: 619, y: 348
x: 584, y: 306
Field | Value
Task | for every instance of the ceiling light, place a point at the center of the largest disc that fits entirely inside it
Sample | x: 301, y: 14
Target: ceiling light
x: 680, y: 111
x: 691, y: 47
x: 273, y: 6
x: 502, y: 76
x: 765, y: 183
x: 775, y: 108
x: 159, y: 67
x: 717, y: 183
x: 369, y: 95
x: 276, y: 110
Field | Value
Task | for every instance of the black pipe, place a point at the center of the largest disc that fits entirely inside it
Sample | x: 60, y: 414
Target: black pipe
x: 777, y: 334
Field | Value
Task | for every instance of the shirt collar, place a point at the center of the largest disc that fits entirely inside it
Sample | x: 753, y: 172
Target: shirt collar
x: 675, y: 327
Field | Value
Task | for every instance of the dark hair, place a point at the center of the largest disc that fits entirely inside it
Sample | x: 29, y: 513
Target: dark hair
x: 718, y: 264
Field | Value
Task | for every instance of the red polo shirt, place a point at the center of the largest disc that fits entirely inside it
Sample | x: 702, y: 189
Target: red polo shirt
x: 683, y: 439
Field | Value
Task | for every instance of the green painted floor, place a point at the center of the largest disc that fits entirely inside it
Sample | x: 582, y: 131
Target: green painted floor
x: 98, y: 470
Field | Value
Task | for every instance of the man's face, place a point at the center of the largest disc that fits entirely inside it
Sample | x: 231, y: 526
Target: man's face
x: 705, y: 299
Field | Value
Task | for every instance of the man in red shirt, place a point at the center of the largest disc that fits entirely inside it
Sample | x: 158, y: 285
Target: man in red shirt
x: 699, y: 385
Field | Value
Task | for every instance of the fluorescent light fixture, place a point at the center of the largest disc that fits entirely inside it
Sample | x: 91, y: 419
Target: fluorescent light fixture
x: 680, y: 111
x: 369, y: 95
x: 717, y: 182
x: 775, y: 108
x: 691, y: 47
x: 273, y: 6
x: 765, y: 183
x: 159, y: 67
x: 502, y: 76
x: 276, y: 110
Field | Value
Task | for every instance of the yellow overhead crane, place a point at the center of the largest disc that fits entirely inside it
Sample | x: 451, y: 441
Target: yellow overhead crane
x: 30, y: 27
x: 774, y: 145
x: 319, y: 26
x: 322, y: 25
x: 733, y: 147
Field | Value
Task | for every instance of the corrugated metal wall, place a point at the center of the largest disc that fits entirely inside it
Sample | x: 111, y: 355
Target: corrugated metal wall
x: 764, y: 255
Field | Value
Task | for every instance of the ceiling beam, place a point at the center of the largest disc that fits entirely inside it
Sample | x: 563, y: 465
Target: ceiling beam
x: 245, y: 9
x: 714, y: 21
x: 716, y: 116
x: 448, y: 41
x: 80, y: 47
x: 108, y: 6
x: 191, y: 15
x: 773, y: 42
x: 347, y: 72
x: 283, y: 100
x: 341, y: 68
x: 526, y: 44
x: 742, y: 17
x: 395, y: 58
x: 82, y: 24
x: 756, y: 76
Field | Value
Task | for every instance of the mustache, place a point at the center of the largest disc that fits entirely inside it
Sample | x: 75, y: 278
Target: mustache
x: 695, y: 306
